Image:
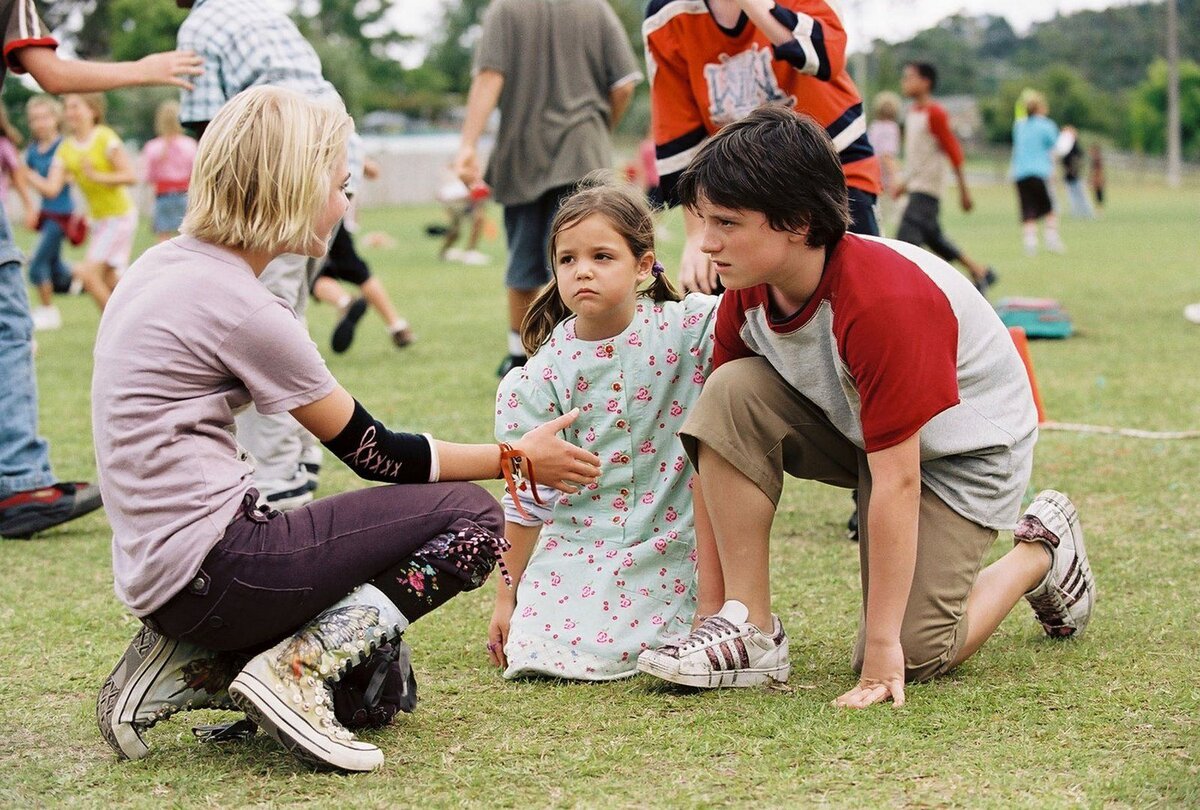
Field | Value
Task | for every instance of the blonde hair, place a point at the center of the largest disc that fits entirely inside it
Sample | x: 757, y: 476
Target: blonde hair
x: 166, y: 119
x: 96, y: 102
x: 49, y: 102
x: 262, y: 172
x: 886, y: 105
x: 626, y: 210
x: 1034, y: 102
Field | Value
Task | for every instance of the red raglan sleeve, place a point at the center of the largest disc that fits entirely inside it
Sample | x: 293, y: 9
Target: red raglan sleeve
x: 939, y: 126
x: 731, y: 316
x: 902, y: 352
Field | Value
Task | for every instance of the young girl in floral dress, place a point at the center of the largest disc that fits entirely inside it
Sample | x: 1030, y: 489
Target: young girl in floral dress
x: 602, y: 574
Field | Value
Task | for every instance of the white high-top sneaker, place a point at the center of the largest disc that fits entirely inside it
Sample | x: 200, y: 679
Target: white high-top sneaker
x: 155, y: 678
x: 286, y: 690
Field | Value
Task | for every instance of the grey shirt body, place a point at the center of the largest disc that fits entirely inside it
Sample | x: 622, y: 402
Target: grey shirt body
x: 560, y: 60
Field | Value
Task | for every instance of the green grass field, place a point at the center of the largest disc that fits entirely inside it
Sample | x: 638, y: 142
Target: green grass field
x: 1111, y: 719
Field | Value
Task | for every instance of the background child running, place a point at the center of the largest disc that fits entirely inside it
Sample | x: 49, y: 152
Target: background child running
x: 613, y: 572
x: 47, y: 270
x: 343, y: 263
x: 1034, y: 140
x: 167, y: 163
x: 94, y: 159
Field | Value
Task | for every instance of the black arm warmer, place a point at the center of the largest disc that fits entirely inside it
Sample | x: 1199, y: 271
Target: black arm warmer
x: 377, y: 454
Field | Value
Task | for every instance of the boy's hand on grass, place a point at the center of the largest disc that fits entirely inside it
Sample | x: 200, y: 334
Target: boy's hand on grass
x: 882, y: 677
x: 498, y: 631
x: 558, y: 463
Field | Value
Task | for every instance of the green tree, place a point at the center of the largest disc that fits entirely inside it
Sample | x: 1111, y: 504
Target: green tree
x: 1148, y: 110
x: 1073, y: 100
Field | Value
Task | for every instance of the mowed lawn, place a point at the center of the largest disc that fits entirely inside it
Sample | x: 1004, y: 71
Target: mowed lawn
x: 1111, y: 719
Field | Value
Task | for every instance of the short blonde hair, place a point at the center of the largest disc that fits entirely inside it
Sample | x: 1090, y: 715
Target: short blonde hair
x: 166, y: 119
x: 262, y: 172
x: 49, y: 102
x: 886, y: 105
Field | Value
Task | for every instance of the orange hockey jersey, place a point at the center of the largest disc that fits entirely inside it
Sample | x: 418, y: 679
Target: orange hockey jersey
x: 703, y: 76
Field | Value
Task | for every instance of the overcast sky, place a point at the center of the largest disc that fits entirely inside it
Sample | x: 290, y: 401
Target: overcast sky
x: 876, y: 19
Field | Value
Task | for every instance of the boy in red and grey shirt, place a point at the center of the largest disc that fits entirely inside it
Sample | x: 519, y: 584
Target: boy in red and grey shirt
x: 928, y: 144
x: 858, y: 362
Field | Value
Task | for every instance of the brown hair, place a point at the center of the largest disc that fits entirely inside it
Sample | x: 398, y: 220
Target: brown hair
x: 626, y: 210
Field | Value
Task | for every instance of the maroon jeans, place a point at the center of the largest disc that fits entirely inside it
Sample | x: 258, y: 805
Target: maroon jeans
x: 420, y: 544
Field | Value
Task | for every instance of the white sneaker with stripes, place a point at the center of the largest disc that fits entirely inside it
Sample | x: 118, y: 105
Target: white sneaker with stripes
x: 723, y: 651
x: 1063, y: 600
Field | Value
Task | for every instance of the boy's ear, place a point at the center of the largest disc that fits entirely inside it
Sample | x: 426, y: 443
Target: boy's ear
x: 799, y: 236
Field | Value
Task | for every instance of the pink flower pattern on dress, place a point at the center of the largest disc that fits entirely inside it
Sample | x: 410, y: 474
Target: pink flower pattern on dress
x: 614, y: 571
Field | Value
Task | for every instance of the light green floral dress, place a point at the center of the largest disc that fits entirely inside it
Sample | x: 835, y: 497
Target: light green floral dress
x: 614, y: 569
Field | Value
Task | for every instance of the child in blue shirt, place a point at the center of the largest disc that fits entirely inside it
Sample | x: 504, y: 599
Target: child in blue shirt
x: 47, y: 270
x: 1034, y: 139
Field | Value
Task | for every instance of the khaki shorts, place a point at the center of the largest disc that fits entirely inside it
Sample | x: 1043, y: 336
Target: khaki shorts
x: 764, y: 427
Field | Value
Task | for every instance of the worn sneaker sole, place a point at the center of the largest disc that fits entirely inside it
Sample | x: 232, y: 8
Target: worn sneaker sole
x: 274, y: 716
x: 117, y: 695
x: 660, y: 666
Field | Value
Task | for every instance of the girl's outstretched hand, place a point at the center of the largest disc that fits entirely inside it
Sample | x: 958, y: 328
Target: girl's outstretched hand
x: 556, y: 462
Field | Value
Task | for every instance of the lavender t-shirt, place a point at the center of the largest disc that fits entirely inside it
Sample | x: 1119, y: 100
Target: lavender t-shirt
x: 189, y: 336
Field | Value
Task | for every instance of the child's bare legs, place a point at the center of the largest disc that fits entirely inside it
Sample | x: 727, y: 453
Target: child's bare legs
x: 93, y: 275
x: 978, y: 271
x: 741, y: 515
x: 45, y: 291
x: 1050, y: 235
x: 328, y: 291
x: 998, y: 589
x: 710, y: 582
x: 452, y: 231
x: 377, y: 296
x: 478, y: 218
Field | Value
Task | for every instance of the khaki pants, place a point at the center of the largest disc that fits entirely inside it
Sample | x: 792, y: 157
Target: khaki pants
x: 764, y: 427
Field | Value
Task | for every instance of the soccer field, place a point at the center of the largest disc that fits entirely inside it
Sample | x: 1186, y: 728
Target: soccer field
x: 1110, y: 719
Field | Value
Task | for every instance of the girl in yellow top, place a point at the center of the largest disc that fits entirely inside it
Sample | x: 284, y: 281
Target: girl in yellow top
x: 93, y: 158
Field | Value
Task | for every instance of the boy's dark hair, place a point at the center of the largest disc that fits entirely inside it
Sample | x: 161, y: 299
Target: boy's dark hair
x: 927, y: 72
x: 779, y: 163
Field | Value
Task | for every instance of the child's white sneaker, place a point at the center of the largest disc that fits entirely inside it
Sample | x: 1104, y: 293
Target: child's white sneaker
x: 46, y: 318
x: 474, y: 258
x: 1192, y: 313
x: 1054, y: 243
x: 1063, y: 600
x: 723, y: 651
